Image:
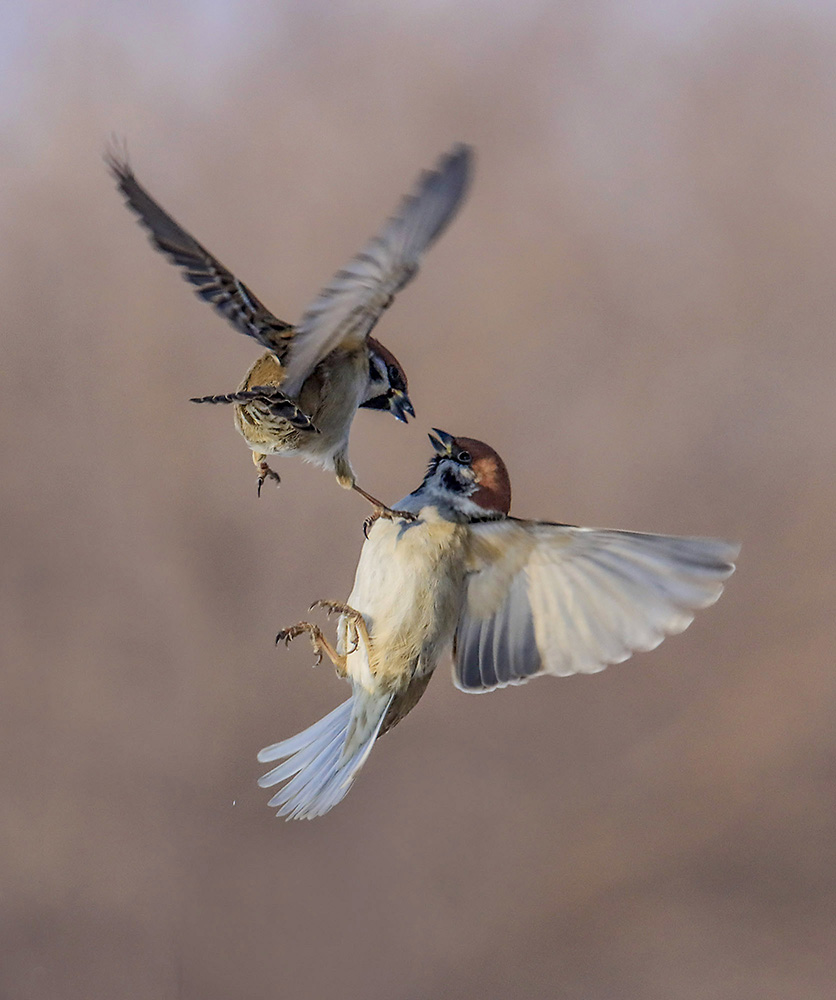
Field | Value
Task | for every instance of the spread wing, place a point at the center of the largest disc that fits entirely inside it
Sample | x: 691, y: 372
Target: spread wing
x: 550, y: 599
x: 346, y: 310
x: 212, y: 281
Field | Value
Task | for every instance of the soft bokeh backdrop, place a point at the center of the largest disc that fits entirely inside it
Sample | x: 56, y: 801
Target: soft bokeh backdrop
x: 636, y: 307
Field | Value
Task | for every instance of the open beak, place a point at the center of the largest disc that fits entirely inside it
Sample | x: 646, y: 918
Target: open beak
x: 442, y: 442
x: 400, y: 406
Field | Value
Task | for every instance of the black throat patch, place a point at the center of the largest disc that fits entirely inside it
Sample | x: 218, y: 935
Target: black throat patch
x: 450, y: 481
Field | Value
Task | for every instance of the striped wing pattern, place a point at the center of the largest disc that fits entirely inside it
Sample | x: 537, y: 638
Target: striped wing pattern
x: 213, y: 282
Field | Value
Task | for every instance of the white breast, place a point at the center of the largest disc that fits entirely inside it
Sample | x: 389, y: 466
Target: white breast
x: 408, y: 587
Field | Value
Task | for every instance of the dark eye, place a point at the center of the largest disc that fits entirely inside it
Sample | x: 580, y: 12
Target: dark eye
x: 464, y: 457
x: 395, y: 377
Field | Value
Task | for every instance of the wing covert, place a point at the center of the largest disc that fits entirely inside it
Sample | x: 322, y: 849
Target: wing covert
x: 549, y: 599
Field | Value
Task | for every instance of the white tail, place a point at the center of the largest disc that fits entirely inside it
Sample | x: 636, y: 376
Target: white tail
x: 324, y: 759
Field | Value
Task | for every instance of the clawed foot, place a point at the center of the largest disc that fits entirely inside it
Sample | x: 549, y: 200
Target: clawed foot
x: 287, y: 635
x: 354, y: 621
x: 356, y: 629
x: 321, y: 646
x: 264, y: 473
x: 380, y: 510
x: 388, y: 514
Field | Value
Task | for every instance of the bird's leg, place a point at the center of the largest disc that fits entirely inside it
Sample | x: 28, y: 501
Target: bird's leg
x: 381, y: 510
x: 264, y: 471
x: 318, y: 641
x: 342, y: 469
x: 354, y: 620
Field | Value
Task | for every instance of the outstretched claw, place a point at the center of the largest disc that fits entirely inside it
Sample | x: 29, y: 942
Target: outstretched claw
x: 320, y: 644
x: 388, y: 514
x: 381, y: 510
x: 287, y: 635
x: 354, y: 620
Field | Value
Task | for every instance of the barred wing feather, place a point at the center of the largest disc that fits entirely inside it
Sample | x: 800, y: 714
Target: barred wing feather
x: 213, y: 282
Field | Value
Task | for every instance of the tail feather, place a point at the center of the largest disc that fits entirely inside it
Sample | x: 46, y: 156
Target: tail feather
x: 301, y: 794
x: 278, y: 751
x: 300, y: 760
x: 323, y: 760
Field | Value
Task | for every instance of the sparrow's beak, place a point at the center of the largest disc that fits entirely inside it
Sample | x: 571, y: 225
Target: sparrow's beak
x: 400, y: 405
x: 443, y: 442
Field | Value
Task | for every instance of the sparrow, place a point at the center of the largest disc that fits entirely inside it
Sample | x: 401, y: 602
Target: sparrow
x: 301, y: 395
x: 513, y: 599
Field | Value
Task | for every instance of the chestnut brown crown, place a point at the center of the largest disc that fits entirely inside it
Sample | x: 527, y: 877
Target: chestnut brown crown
x: 494, y: 491
x: 472, y: 471
x: 390, y: 361
x: 387, y: 387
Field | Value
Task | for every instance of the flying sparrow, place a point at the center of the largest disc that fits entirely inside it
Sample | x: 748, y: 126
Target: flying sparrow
x: 515, y: 598
x: 300, y: 396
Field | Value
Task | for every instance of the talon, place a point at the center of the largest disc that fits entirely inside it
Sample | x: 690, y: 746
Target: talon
x: 369, y: 521
x: 321, y: 646
x: 389, y: 514
x: 355, y: 639
x: 265, y: 473
x: 355, y: 622
x: 335, y: 607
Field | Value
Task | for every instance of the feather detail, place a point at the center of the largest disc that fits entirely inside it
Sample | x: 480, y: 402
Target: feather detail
x: 553, y: 599
x: 213, y: 282
x: 347, y: 309
x: 322, y: 761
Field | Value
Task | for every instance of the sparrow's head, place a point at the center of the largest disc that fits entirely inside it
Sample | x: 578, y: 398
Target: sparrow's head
x: 387, y: 383
x: 468, y: 477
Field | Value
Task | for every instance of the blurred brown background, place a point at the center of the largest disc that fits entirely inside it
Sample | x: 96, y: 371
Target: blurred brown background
x: 636, y: 307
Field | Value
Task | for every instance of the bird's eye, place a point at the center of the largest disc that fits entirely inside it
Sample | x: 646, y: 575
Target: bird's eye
x: 464, y: 457
x: 395, y: 377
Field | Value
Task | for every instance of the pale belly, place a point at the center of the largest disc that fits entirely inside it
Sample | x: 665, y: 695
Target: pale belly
x: 330, y: 397
x: 408, y: 587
